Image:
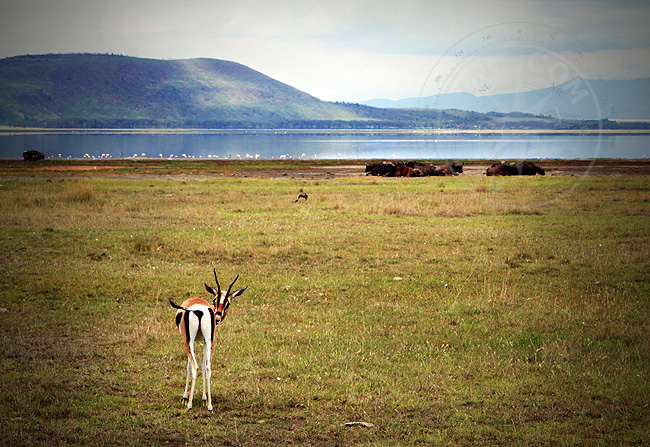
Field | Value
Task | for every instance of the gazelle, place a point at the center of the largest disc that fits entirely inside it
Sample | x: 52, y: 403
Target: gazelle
x: 197, y: 319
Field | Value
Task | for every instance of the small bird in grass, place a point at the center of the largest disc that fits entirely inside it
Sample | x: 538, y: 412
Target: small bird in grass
x: 301, y: 196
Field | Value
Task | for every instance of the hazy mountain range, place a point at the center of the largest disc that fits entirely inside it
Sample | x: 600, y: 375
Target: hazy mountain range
x: 576, y: 99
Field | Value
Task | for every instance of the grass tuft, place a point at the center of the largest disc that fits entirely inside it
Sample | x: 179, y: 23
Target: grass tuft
x: 81, y: 192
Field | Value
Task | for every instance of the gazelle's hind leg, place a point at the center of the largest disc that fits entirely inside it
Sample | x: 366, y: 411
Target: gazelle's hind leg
x: 194, y: 367
x: 187, y: 380
x: 205, y: 397
x: 207, y: 373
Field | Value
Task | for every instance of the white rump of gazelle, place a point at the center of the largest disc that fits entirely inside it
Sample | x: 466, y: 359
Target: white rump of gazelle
x: 197, y: 319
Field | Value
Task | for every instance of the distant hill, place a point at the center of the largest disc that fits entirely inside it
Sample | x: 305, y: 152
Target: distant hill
x: 90, y: 90
x: 571, y: 100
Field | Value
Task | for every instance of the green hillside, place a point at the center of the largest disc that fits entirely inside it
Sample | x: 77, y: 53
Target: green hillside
x: 70, y: 90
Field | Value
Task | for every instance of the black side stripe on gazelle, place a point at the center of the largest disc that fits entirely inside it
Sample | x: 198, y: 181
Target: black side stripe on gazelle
x: 211, y: 325
x: 199, y: 315
x: 186, y: 316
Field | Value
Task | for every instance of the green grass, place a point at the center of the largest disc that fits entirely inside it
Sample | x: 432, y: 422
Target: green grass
x: 520, y: 317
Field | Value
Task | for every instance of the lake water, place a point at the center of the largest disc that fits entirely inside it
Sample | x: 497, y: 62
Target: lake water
x: 326, y: 146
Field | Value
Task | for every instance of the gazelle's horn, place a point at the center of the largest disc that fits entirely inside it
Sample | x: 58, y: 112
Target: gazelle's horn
x: 233, y: 283
x: 218, y: 286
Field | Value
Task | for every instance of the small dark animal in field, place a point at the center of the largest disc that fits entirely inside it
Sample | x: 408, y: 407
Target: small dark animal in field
x: 197, y: 319
x: 33, y: 155
x: 523, y: 168
x: 302, y: 196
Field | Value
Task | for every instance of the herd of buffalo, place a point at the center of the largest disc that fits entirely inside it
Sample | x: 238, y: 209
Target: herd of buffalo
x: 411, y: 169
x: 417, y: 169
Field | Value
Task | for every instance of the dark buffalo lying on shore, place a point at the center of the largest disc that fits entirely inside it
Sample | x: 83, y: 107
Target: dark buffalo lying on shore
x: 402, y: 170
x: 412, y: 169
x: 383, y: 169
x: 450, y: 169
x: 33, y: 155
x: 523, y: 168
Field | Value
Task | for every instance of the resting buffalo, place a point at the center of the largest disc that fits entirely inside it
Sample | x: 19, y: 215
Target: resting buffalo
x: 33, y: 155
x: 500, y: 169
x: 529, y: 168
x: 412, y: 169
x: 428, y: 170
x: 450, y: 169
x: 386, y: 169
x: 406, y: 171
x: 523, y: 168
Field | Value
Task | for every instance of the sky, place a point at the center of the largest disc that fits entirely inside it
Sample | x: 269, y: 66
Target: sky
x: 355, y: 50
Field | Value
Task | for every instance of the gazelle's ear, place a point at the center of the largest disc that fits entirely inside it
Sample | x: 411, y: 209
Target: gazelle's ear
x: 210, y: 289
x: 239, y: 292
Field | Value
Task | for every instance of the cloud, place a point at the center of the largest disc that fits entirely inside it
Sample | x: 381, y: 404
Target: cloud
x: 341, y: 49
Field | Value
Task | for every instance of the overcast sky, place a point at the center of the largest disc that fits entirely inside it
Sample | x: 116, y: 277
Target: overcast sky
x: 356, y: 49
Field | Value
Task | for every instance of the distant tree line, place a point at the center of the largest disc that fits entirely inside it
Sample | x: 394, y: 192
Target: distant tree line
x: 450, y: 122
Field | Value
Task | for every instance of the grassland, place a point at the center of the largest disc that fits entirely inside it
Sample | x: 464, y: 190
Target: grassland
x: 445, y: 311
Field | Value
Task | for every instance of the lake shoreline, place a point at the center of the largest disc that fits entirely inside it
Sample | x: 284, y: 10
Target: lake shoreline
x: 287, y: 169
x: 4, y: 130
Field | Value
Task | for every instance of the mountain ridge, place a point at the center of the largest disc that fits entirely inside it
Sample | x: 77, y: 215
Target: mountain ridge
x: 577, y: 98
